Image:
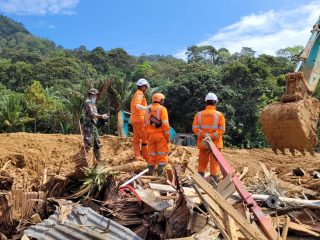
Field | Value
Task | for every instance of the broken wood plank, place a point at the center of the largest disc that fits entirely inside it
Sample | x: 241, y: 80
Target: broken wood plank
x: 36, y: 218
x: 251, y: 231
x: 303, y: 228
x: 207, y: 233
x: 231, y: 227
x: 226, y: 187
x: 162, y: 187
x: 244, y: 172
x: 214, y: 217
x: 285, y: 228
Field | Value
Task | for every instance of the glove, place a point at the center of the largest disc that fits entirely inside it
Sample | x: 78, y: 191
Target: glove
x: 105, y: 116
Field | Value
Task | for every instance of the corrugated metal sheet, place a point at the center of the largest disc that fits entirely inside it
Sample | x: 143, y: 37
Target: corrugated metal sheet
x: 82, y: 223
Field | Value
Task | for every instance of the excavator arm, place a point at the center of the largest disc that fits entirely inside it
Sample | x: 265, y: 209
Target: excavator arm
x: 292, y: 123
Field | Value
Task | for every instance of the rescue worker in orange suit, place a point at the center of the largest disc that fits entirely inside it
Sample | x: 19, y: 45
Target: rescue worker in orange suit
x: 158, y: 133
x: 211, y: 123
x: 138, y: 109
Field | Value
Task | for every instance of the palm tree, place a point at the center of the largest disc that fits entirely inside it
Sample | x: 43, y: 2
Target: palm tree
x: 11, y: 112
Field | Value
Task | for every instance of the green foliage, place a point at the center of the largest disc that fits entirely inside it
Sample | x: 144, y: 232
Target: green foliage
x: 36, y: 101
x: 12, y: 117
x: 290, y: 53
x: 8, y: 27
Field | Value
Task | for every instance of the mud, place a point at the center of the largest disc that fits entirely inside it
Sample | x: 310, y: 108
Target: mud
x: 292, y: 125
x: 54, y: 152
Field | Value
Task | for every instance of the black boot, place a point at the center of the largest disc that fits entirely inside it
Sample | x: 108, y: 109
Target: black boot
x: 161, y: 169
x: 214, y: 180
x: 151, y: 169
x: 97, y: 154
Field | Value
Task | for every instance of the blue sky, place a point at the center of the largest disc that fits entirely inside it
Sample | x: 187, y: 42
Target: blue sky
x: 167, y: 26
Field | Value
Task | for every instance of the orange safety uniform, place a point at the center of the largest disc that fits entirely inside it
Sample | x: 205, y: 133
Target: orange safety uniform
x: 137, y: 121
x: 158, y: 138
x: 209, y: 122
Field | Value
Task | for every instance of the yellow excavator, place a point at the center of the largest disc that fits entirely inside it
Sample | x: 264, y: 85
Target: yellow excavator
x: 292, y: 123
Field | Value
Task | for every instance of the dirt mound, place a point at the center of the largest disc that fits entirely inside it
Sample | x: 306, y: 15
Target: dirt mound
x: 292, y: 125
x: 53, y: 153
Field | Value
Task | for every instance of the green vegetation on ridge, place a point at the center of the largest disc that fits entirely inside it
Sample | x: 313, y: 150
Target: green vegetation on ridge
x: 43, y: 87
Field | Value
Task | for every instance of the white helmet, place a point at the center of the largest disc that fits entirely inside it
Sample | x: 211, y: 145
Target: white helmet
x: 211, y: 97
x: 142, y: 82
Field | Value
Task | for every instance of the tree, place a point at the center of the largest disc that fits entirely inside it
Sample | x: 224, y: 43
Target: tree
x: 19, y: 75
x: 291, y: 53
x: 36, y: 101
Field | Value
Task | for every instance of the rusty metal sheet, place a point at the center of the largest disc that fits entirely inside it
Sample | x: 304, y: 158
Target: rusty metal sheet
x: 82, y: 223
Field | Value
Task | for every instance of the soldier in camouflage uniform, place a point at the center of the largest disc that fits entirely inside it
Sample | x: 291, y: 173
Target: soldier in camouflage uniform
x: 90, y: 131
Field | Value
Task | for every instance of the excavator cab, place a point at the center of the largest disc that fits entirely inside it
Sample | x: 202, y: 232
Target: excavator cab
x: 292, y: 123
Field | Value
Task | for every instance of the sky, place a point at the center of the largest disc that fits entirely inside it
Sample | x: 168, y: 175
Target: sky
x: 168, y: 27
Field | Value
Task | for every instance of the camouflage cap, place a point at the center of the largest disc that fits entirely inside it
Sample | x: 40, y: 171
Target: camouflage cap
x: 93, y: 91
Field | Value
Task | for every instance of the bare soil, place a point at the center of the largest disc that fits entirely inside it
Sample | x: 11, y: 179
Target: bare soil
x: 28, y: 156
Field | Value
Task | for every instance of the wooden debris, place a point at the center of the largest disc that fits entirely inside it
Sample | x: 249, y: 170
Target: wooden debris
x: 215, y: 218
x: 250, y: 230
x: 303, y: 228
x: 162, y: 187
x: 285, y: 228
x: 36, y: 218
x: 231, y: 227
x: 207, y: 233
x: 244, y: 172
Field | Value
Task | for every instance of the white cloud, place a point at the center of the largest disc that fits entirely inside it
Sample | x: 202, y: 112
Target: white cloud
x: 52, y: 26
x: 38, y: 7
x: 266, y: 32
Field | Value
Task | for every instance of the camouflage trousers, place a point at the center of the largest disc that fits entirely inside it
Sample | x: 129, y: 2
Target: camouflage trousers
x: 91, y: 138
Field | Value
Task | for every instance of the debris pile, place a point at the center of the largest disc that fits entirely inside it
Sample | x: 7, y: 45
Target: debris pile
x: 119, y: 200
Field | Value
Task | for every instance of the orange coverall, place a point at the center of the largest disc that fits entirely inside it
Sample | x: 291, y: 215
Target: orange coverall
x: 212, y: 122
x: 137, y: 121
x: 158, y: 138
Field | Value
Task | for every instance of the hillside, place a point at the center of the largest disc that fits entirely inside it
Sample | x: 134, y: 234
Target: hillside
x: 8, y: 27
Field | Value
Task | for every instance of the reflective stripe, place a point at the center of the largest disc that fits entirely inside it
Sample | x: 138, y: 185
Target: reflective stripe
x: 199, y: 118
x: 222, y: 128
x: 147, y: 116
x: 216, y: 119
x: 167, y: 132
x: 195, y: 126
x: 208, y: 127
x: 215, y: 135
x: 165, y: 122
x: 158, y: 111
x: 158, y: 153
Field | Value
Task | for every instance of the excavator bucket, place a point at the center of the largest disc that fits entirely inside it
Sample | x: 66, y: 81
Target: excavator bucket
x: 291, y: 125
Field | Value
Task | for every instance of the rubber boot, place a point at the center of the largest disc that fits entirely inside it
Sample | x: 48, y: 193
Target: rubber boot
x: 151, y: 169
x: 161, y: 169
x: 97, y: 154
x: 144, y: 151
